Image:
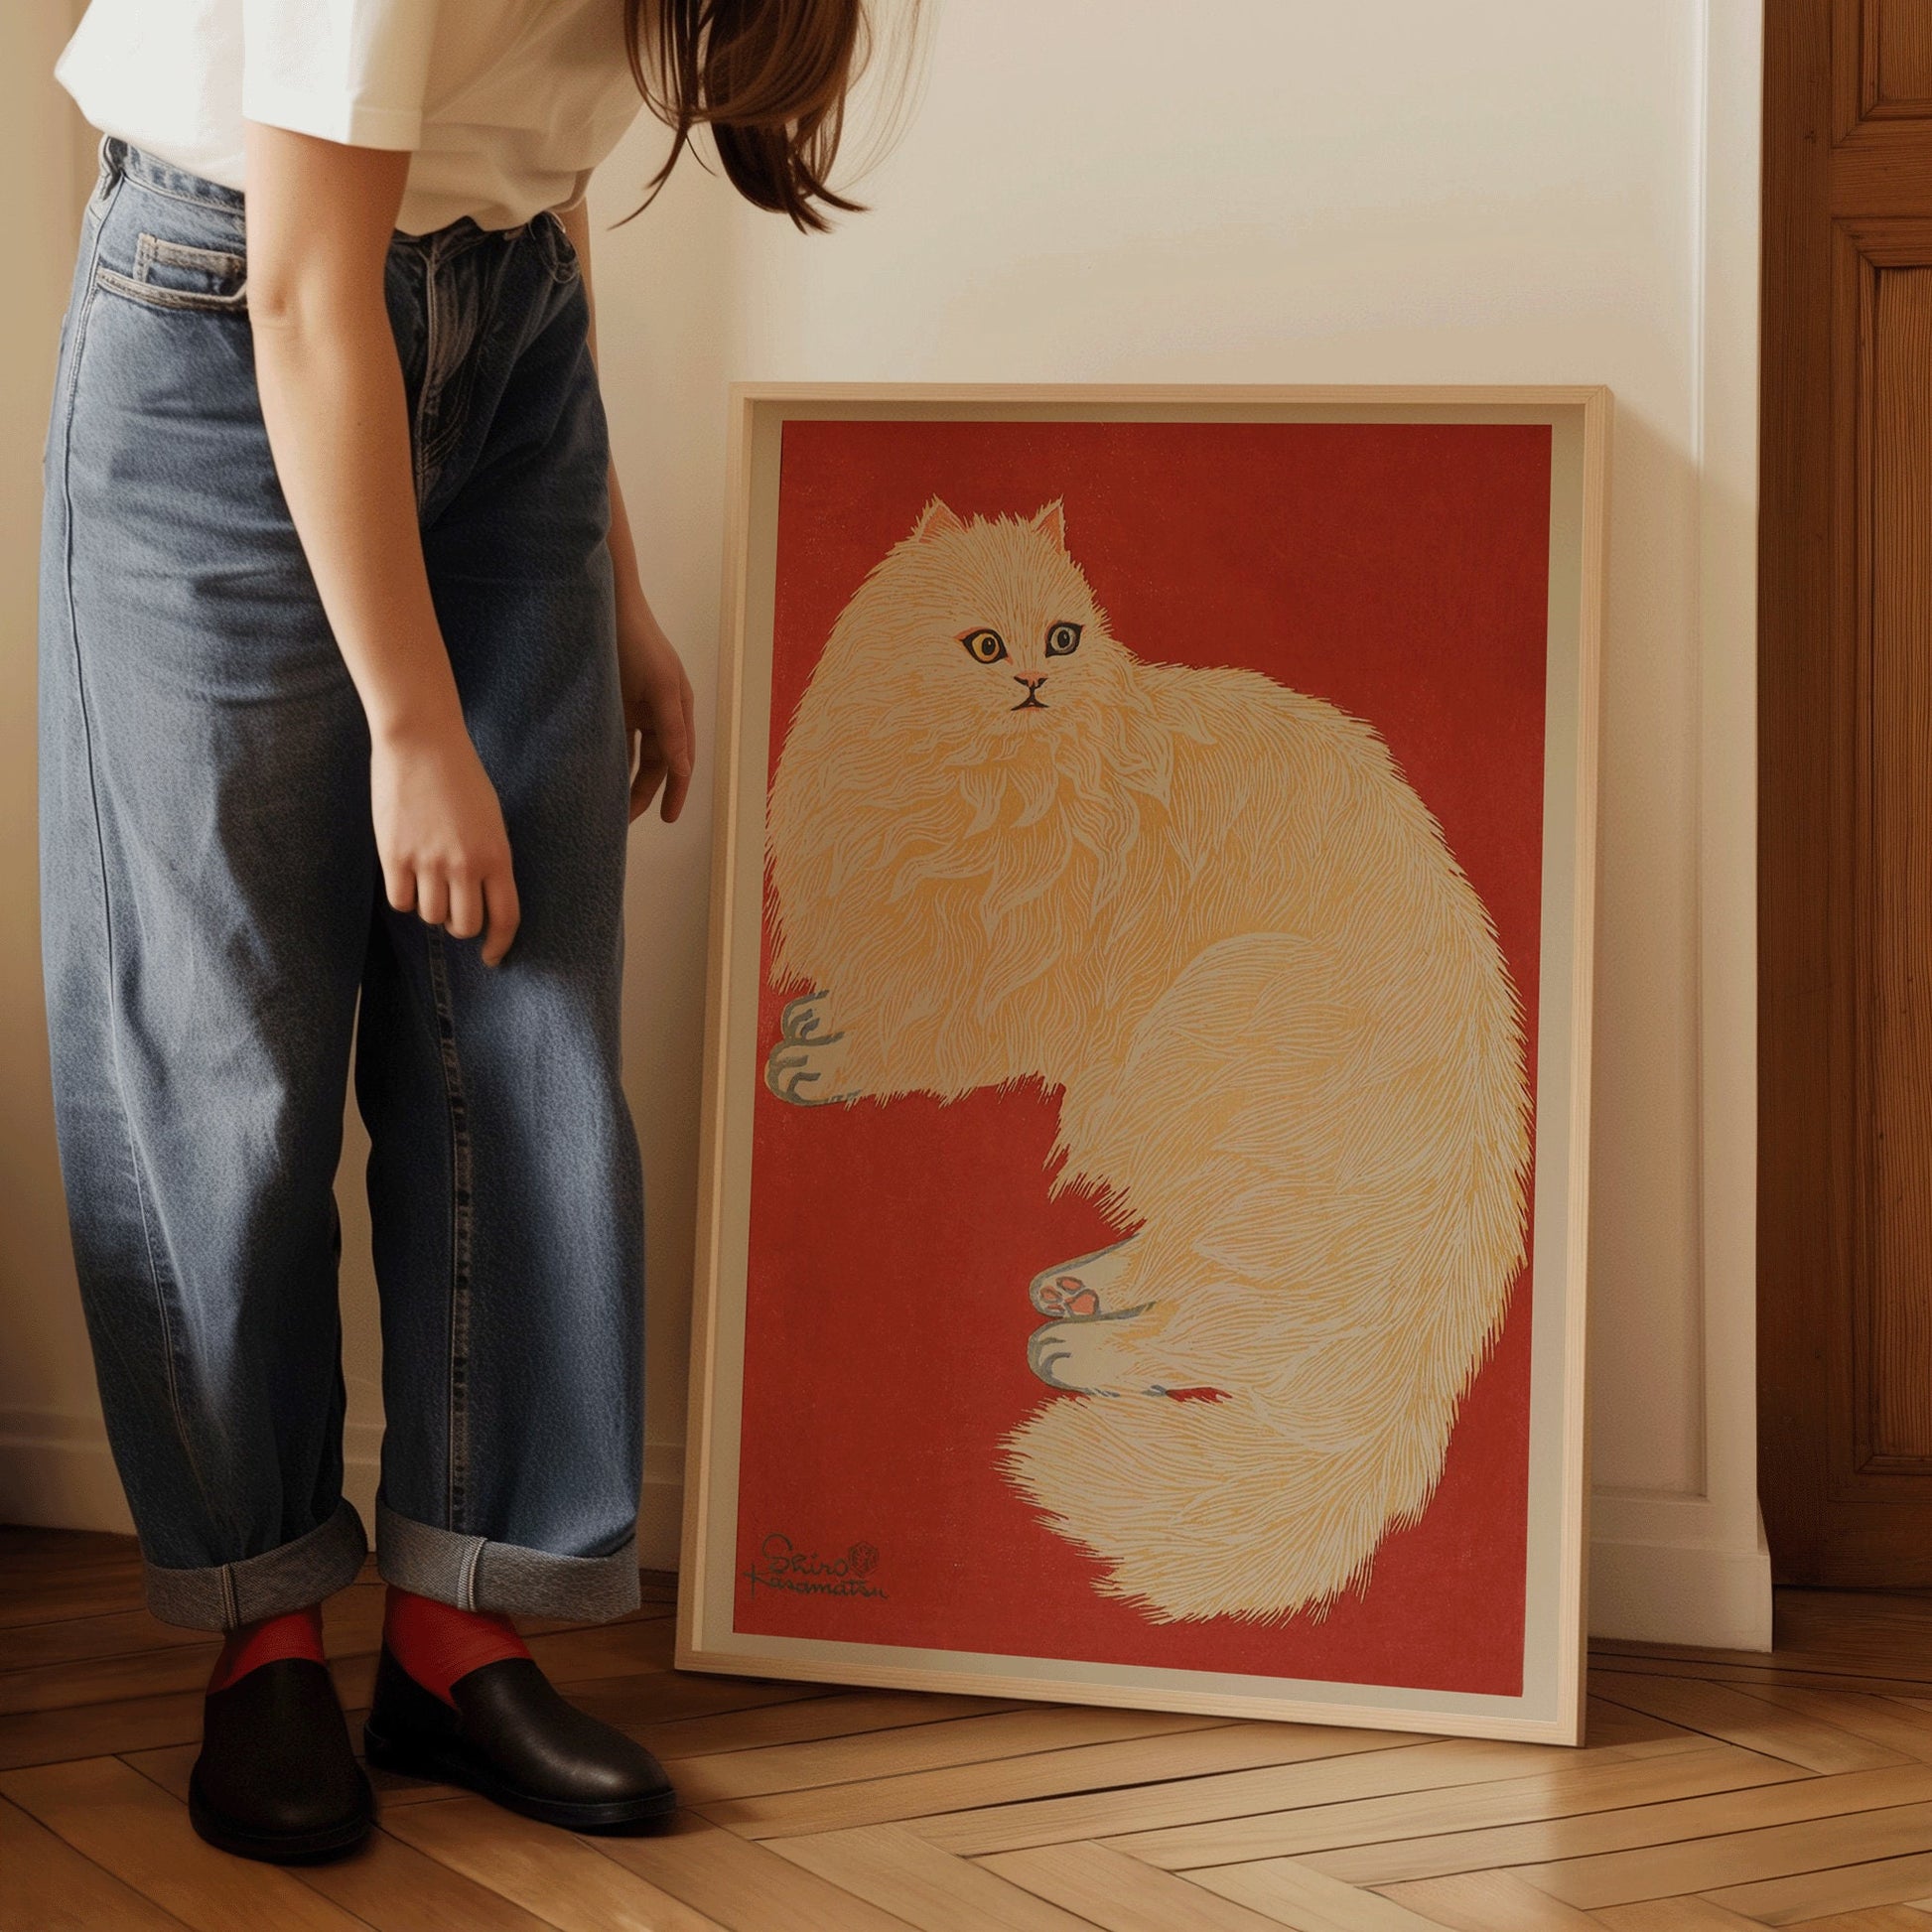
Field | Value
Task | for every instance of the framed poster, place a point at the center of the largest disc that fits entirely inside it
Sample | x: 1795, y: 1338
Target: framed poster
x: 1141, y: 1243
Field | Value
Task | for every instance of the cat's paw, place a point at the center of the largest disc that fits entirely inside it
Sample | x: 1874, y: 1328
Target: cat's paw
x: 805, y: 1065
x: 1064, y: 1294
x: 808, y: 1018
x: 1094, y: 1355
x: 1083, y: 1284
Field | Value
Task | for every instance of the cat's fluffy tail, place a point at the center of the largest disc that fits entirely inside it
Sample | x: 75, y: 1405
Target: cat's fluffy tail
x: 1201, y: 1508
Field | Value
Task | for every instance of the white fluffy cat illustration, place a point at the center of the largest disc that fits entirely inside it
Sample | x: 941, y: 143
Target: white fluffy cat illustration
x: 1212, y: 914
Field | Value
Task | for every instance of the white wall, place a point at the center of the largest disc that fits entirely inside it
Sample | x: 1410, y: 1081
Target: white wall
x: 1123, y: 189
x: 1127, y: 191
x: 53, y: 1464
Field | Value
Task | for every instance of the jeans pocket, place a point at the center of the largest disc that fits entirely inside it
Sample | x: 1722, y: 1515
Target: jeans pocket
x: 177, y: 275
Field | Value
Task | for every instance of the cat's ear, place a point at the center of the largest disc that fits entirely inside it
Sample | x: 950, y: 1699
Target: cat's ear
x: 936, y: 521
x: 1052, y: 521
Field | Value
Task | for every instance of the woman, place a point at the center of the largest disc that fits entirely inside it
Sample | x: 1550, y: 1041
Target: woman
x: 348, y: 692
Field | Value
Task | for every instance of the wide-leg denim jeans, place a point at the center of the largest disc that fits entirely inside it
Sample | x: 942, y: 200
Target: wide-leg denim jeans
x: 216, y: 934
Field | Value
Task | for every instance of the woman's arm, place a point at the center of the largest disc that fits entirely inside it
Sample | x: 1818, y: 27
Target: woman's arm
x: 320, y: 220
x: 656, y: 692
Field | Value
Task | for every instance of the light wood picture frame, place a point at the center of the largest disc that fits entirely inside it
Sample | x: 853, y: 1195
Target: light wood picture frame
x: 1144, y: 1178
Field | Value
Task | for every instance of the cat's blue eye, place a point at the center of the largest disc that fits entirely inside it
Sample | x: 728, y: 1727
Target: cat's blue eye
x: 985, y: 646
x: 1063, y: 639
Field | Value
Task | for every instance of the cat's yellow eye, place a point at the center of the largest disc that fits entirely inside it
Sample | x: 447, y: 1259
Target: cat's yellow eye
x: 1063, y: 639
x: 986, y: 647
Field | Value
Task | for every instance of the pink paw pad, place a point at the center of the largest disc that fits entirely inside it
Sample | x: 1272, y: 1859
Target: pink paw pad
x: 1070, y: 1295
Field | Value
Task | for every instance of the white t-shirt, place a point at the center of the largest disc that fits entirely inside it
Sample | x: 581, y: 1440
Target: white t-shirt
x: 507, y: 104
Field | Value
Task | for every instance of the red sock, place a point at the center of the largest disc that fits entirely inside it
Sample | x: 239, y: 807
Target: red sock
x: 437, y: 1643
x: 295, y: 1633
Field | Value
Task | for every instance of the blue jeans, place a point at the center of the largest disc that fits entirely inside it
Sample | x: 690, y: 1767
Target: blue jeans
x: 213, y: 914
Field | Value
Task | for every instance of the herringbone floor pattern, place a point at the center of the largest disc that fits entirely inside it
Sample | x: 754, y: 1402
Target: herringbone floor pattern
x: 1715, y: 1790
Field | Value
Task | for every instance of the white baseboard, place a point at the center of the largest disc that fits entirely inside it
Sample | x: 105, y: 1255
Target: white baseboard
x: 660, y: 1509
x: 55, y: 1472
x: 1711, y: 1595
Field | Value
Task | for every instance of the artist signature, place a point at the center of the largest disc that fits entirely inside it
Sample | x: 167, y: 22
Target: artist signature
x: 781, y: 1566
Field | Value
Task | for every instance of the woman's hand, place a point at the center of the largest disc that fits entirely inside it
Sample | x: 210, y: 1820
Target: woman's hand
x: 439, y: 833
x: 657, y: 711
x: 657, y: 708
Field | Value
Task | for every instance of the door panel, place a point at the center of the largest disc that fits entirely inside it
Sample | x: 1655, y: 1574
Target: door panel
x: 1893, y: 496
x: 1845, y: 794
x: 1895, y: 75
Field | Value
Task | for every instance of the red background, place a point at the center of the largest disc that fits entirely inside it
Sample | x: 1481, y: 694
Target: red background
x: 1397, y: 570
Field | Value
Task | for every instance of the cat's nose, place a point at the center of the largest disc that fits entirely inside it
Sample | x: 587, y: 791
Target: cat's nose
x: 1031, y: 683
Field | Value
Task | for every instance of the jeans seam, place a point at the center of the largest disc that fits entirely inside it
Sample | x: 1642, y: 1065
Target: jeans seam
x: 425, y: 395
x: 68, y: 393
x: 460, y: 1230
x: 156, y: 295
x: 446, y: 348
x: 153, y: 248
x: 469, y: 1566
x: 565, y: 268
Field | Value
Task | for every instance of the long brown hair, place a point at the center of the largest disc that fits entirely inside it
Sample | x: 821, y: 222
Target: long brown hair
x: 768, y: 78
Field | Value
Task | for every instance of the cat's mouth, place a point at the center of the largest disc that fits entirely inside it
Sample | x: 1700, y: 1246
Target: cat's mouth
x: 1033, y: 701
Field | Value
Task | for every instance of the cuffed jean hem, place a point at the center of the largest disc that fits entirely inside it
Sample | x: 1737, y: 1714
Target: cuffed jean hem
x: 291, y: 1576
x: 474, y: 1574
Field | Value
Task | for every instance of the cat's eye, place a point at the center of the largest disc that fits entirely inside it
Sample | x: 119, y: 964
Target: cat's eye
x: 1063, y: 639
x: 985, y: 646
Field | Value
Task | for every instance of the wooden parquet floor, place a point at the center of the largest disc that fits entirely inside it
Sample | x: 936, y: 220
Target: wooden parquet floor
x: 1715, y: 1790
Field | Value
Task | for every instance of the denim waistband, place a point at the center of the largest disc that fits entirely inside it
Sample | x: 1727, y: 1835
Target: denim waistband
x: 137, y: 164
x: 151, y: 171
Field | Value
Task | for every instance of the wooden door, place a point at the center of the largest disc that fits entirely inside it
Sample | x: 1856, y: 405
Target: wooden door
x: 1844, y: 861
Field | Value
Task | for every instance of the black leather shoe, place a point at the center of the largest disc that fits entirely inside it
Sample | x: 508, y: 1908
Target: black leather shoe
x: 512, y: 1738
x: 277, y: 1778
